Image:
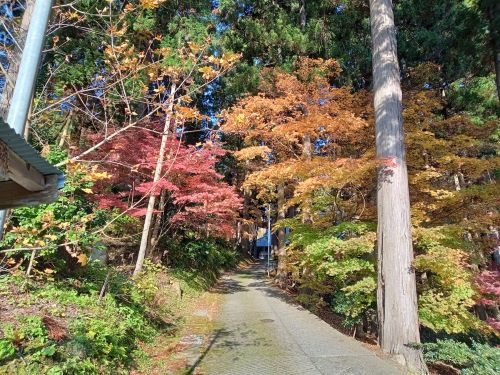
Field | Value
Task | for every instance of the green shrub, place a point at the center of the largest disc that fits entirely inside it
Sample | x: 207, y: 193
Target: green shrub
x: 343, y: 263
x: 7, y: 349
x: 447, y: 296
x: 478, y: 359
x: 477, y: 97
x: 70, y: 220
x: 201, y: 254
x: 100, y: 337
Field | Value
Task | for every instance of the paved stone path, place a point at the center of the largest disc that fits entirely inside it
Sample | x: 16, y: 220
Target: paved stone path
x: 260, y: 332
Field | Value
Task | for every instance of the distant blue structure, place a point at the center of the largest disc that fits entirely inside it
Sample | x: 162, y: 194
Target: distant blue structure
x: 263, y: 241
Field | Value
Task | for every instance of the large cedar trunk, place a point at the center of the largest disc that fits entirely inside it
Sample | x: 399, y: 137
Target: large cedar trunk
x: 396, y: 293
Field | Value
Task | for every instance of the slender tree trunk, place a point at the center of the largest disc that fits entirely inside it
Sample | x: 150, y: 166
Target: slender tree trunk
x: 31, y: 262
x: 307, y: 156
x: 65, y: 130
x: 307, y: 273
x: 497, y: 68
x: 302, y: 12
x: 396, y: 293
x: 282, y: 269
x: 306, y: 147
x: 157, y: 175
x: 156, y: 228
x: 245, y: 227
x: 493, y: 15
x: 457, y: 182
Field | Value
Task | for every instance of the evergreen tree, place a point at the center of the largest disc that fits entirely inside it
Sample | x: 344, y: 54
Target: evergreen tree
x: 396, y: 293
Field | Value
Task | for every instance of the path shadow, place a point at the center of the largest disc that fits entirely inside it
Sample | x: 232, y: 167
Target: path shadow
x: 222, y: 338
x: 271, y: 290
x: 198, y: 361
x: 229, y: 286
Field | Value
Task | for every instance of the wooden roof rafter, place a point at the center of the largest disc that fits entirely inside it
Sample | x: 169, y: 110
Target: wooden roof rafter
x: 25, y: 177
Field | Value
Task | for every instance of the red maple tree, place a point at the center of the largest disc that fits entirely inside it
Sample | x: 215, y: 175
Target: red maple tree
x: 203, y: 202
x: 488, y: 283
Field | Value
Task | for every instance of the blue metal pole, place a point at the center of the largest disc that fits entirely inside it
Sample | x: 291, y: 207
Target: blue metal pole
x: 28, y: 69
x: 268, y: 236
x: 27, y: 73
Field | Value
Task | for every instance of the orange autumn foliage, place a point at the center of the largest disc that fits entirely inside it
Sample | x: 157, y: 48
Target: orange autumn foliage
x: 317, y: 140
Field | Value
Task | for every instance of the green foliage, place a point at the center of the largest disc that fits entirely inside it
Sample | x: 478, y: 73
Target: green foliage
x: 241, y: 80
x: 268, y: 33
x: 33, y: 333
x: 436, y: 310
x: 447, y: 294
x: 337, y: 261
x: 342, y: 34
x: 144, y: 22
x: 83, y: 52
x: 451, y: 33
x: 109, y: 337
x: 202, y: 254
x: 96, y: 337
x: 354, y: 300
x: 7, y: 349
x: 119, y: 225
x: 159, y: 293
x: 477, y: 97
x: 479, y: 359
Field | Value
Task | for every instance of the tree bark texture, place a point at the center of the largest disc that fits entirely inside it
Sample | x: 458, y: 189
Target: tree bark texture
x: 493, y: 15
x: 307, y: 156
x: 157, y: 176
x: 245, y: 227
x: 155, y: 235
x: 306, y: 147
x: 396, y: 292
x: 302, y: 12
x: 282, y: 269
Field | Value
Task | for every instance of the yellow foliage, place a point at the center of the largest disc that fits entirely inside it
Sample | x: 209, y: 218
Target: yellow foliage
x: 183, y: 113
x: 151, y: 4
x: 82, y: 259
x: 208, y: 72
x: 252, y: 152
